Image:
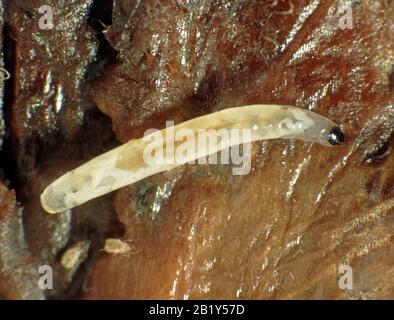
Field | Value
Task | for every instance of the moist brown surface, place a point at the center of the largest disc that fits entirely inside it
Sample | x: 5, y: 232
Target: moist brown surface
x: 281, y: 231
x: 3, y: 76
x: 18, y: 276
x: 54, y: 126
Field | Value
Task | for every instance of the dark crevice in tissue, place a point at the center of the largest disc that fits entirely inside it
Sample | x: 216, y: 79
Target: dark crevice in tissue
x: 7, y: 161
x: 100, y: 17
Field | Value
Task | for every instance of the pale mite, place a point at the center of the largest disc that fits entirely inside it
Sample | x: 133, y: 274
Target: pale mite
x: 125, y: 164
x: 116, y: 246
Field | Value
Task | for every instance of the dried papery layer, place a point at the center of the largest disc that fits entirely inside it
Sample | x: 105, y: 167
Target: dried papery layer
x: 126, y: 164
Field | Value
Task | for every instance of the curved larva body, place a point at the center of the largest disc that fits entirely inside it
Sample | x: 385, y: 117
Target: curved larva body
x: 126, y: 164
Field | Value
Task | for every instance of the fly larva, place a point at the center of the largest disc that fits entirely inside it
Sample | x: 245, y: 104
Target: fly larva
x: 125, y: 164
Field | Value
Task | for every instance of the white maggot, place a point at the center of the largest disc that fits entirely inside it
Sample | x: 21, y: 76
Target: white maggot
x: 125, y: 164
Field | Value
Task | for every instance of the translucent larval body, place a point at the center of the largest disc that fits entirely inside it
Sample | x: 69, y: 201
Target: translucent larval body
x: 126, y: 164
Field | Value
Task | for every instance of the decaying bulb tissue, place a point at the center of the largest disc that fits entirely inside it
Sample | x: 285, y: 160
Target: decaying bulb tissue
x: 125, y: 164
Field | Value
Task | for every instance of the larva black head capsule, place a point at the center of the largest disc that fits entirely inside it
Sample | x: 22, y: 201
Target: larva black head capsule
x: 336, y: 136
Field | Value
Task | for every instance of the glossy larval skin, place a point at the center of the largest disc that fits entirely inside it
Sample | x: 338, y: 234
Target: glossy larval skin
x: 281, y: 231
x: 126, y: 164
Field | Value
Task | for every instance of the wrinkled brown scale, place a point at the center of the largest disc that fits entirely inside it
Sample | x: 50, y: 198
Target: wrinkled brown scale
x: 54, y: 126
x: 279, y: 232
x: 283, y: 230
x: 19, y: 276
